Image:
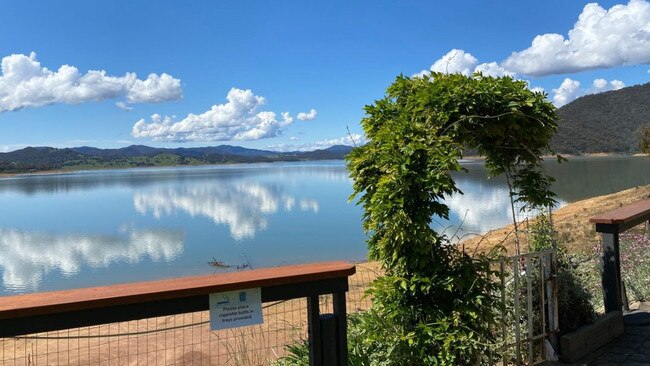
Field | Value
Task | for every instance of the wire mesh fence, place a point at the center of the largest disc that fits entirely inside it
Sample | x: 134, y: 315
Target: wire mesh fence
x: 184, y: 339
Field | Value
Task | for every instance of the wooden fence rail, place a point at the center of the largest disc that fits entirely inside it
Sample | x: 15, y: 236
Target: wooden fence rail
x: 58, y: 310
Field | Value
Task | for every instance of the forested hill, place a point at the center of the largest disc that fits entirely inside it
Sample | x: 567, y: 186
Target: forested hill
x: 604, y: 122
x: 34, y: 159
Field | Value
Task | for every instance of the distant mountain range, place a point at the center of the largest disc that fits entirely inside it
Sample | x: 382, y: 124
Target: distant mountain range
x: 33, y: 159
x: 604, y: 122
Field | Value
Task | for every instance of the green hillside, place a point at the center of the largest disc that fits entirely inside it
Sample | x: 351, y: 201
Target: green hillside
x: 37, y: 159
x: 604, y: 122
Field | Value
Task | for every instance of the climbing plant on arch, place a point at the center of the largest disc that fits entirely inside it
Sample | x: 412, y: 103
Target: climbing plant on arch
x: 436, y: 304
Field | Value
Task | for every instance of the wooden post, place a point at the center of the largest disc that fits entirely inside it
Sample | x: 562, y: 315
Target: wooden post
x: 611, y: 270
x: 328, y: 340
x: 328, y: 325
x: 550, y: 281
x: 610, y: 225
x: 314, y: 332
x: 342, y: 327
x: 626, y: 304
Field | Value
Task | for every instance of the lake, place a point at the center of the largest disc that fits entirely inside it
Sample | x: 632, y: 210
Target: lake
x: 102, y: 227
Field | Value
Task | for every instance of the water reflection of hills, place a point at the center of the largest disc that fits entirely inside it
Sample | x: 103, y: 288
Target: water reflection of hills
x: 26, y: 257
x: 580, y: 178
x: 240, y: 204
x: 138, y: 178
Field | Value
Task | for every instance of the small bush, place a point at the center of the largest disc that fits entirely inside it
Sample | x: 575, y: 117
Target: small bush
x: 453, y: 326
x: 575, y: 308
x: 635, y: 265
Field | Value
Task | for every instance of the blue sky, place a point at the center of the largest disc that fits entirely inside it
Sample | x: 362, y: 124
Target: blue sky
x: 169, y: 73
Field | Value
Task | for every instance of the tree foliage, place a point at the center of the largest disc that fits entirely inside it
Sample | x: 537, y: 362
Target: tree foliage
x: 643, y: 136
x: 436, y: 304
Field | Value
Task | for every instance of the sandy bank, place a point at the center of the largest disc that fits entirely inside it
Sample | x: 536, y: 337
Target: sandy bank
x: 571, y: 222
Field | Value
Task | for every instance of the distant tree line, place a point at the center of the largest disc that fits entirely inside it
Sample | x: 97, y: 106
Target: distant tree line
x: 35, y: 159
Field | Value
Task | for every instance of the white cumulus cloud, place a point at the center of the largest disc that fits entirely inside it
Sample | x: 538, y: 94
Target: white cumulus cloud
x: 123, y: 106
x: 25, y: 83
x: 354, y: 139
x: 349, y: 140
x: 237, y: 119
x: 455, y: 61
x: 566, y: 92
x: 600, y: 83
x: 492, y: 69
x: 570, y: 89
x: 617, y: 84
x: 307, y: 116
x: 155, y: 89
x: 599, y: 39
x: 459, y: 61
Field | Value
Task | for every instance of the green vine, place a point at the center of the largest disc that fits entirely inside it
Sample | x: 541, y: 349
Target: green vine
x: 436, y: 304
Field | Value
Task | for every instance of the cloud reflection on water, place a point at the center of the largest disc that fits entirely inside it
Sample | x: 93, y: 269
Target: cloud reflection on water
x: 26, y: 257
x: 242, y: 205
x: 484, y: 205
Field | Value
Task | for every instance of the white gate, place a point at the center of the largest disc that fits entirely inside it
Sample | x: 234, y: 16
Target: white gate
x: 530, y: 322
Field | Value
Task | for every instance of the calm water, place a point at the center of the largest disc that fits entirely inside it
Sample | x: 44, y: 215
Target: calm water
x: 102, y: 227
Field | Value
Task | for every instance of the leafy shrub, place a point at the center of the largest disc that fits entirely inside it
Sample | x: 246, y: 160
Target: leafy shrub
x: 436, y: 305
x: 297, y: 355
x: 444, y: 318
x: 635, y: 265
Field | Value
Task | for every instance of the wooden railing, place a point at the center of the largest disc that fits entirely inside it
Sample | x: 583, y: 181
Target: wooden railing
x: 59, y: 310
x: 610, y: 225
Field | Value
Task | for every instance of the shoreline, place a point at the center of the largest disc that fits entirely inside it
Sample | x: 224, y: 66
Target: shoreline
x: 74, y: 171
x: 466, y: 159
x: 571, y: 223
x: 585, y: 155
